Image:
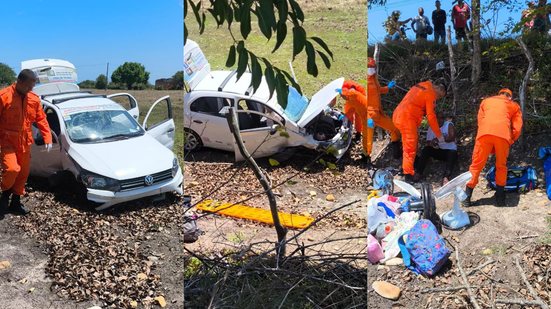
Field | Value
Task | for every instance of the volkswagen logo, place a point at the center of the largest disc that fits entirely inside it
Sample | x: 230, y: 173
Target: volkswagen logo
x: 148, y: 180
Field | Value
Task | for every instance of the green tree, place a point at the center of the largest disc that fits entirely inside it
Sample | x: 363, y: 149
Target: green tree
x: 101, y: 81
x: 7, y: 75
x: 272, y: 17
x: 87, y: 84
x: 130, y: 74
x: 178, y: 80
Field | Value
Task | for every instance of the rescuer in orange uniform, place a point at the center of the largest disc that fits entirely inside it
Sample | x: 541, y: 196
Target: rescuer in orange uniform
x: 499, y: 126
x: 355, y: 108
x: 407, y: 117
x: 19, y: 109
x: 375, y: 111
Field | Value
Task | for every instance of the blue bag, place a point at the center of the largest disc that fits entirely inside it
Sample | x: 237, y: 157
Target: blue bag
x: 424, y: 251
x: 545, y: 153
x: 519, y: 178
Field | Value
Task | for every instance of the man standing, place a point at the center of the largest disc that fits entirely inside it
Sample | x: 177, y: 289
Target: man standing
x: 19, y: 109
x: 461, y: 13
x: 407, y: 117
x: 355, y: 107
x: 421, y: 25
x: 439, y: 22
x: 499, y: 126
x: 375, y: 111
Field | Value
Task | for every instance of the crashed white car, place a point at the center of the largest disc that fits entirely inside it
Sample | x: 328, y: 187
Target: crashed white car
x: 312, y: 124
x: 101, y: 144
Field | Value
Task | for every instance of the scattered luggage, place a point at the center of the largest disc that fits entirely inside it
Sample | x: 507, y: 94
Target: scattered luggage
x: 545, y: 154
x: 519, y: 179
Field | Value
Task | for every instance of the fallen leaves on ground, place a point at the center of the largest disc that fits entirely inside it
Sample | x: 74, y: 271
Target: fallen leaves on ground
x: 99, y: 256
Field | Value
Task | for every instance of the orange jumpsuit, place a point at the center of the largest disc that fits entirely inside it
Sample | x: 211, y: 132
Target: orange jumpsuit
x: 17, y: 114
x: 407, y: 117
x: 499, y: 126
x: 375, y: 112
x: 357, y: 106
x: 349, y: 110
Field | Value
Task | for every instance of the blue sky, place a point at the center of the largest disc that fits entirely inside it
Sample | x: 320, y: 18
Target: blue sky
x: 378, y: 15
x: 90, y: 33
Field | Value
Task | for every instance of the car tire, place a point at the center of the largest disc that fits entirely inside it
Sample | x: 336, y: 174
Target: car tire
x: 192, y: 141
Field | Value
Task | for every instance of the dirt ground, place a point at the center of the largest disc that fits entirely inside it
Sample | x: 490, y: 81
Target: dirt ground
x: 73, y: 257
x: 501, y: 234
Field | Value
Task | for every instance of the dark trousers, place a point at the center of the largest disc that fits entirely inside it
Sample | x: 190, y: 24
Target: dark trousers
x: 448, y: 156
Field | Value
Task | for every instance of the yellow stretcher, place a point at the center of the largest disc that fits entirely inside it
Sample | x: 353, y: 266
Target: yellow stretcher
x: 255, y: 214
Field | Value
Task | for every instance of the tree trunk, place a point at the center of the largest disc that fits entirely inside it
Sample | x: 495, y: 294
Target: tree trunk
x: 476, y: 61
x: 522, y: 89
x: 453, y: 73
x: 376, y: 54
x: 231, y: 117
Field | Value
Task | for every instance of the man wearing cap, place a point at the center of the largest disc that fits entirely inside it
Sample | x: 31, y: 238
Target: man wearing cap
x: 375, y: 111
x: 19, y: 109
x: 499, y: 126
x: 407, y: 117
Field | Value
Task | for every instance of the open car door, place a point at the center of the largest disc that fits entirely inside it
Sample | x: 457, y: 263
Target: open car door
x: 128, y: 102
x: 44, y: 163
x: 159, y: 122
x: 257, y: 125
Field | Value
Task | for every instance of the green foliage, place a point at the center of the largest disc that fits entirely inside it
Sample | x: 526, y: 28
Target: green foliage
x: 178, y: 80
x: 271, y: 17
x: 7, y: 75
x: 101, y: 81
x: 87, y: 84
x: 131, y: 74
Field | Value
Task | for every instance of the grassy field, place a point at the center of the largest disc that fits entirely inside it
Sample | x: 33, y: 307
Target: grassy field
x: 147, y: 97
x: 341, y: 24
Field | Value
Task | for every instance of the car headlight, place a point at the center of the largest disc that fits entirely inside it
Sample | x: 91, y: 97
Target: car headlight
x: 95, y: 181
x: 175, y: 167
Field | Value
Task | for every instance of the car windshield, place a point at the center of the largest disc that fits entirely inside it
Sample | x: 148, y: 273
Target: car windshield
x: 101, y: 126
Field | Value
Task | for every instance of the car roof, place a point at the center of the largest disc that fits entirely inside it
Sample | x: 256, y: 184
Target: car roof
x: 80, y: 99
x: 226, y: 81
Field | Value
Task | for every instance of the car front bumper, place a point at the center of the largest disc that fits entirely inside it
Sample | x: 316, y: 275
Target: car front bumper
x: 109, y: 198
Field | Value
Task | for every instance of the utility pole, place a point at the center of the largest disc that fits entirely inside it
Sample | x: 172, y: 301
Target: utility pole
x: 107, y: 77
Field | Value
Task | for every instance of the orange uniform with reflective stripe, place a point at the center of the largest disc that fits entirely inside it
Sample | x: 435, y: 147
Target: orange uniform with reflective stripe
x: 17, y: 114
x: 375, y: 112
x: 407, y: 117
x: 499, y: 126
x: 357, y: 107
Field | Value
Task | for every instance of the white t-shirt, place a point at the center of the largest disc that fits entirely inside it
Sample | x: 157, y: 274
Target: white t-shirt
x: 444, y: 130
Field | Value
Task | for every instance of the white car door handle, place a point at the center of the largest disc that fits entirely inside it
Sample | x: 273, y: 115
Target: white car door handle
x: 170, y: 130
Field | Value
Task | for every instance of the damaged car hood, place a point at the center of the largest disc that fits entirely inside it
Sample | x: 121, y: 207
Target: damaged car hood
x: 320, y: 101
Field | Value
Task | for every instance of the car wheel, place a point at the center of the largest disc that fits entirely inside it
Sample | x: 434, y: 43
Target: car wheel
x: 192, y: 141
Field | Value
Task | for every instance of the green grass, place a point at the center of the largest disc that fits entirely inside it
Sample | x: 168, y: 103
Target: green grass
x: 343, y: 30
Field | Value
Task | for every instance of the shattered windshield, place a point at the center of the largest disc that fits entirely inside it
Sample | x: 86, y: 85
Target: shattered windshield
x: 101, y: 126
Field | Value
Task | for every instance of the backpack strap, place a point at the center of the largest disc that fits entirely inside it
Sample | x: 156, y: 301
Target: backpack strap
x: 405, y: 254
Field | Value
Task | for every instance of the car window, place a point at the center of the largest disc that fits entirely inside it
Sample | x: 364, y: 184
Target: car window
x: 101, y: 126
x: 252, y: 121
x: 161, y: 113
x: 53, y: 121
x: 125, y: 101
x: 209, y: 105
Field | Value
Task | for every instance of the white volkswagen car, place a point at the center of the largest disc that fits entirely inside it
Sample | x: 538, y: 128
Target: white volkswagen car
x: 308, y: 123
x: 102, y: 145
